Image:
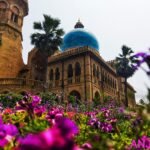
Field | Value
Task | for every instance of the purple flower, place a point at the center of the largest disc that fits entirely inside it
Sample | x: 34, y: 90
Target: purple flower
x: 94, y: 122
x: 106, y: 127
x: 137, y: 122
x: 54, y: 114
x: 111, y: 120
x: 142, y: 143
x: 103, y: 109
x: 39, y: 110
x: 1, y: 120
x: 87, y: 146
x: 7, y: 132
x: 42, y: 140
x: 106, y: 112
x: 68, y: 127
x: 140, y: 59
x: 140, y: 54
x: 121, y: 110
x: 91, y: 114
x: 36, y: 100
x: 49, y: 139
x: 30, y: 103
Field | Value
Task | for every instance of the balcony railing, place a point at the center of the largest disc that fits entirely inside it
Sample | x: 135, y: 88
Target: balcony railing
x: 21, y: 82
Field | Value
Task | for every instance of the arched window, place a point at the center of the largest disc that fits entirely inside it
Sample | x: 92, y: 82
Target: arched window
x: 15, y: 14
x: 3, y: 5
x: 111, y: 82
x: 97, y: 72
x: 70, y: 71
x: 105, y: 78
x: 102, y: 76
x: 115, y: 85
x: 51, y: 75
x: 36, y: 78
x: 94, y: 70
x: 77, y: 69
x: 57, y: 74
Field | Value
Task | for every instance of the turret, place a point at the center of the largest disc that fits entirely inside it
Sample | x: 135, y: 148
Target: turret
x: 12, y: 13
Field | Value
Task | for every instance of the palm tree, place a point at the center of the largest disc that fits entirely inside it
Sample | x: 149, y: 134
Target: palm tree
x: 48, y: 38
x: 124, y: 67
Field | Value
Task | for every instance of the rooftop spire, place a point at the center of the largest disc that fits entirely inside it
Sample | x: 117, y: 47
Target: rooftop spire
x: 79, y: 24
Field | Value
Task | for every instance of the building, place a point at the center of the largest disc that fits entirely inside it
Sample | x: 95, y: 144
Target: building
x: 12, y: 13
x: 77, y: 69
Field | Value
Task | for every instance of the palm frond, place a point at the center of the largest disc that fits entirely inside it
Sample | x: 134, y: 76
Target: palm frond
x: 49, y: 40
x: 59, y: 32
x: 37, y: 26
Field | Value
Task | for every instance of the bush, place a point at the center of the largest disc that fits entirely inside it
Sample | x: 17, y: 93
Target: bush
x: 10, y: 99
x: 49, y: 98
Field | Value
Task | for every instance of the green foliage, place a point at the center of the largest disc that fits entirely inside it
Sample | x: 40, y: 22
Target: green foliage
x: 126, y: 124
x: 124, y: 67
x: 15, y: 118
x: 49, y: 98
x: 124, y: 63
x: 72, y: 100
x: 10, y: 99
x: 142, y: 102
x: 96, y: 100
x: 106, y: 99
x: 34, y: 126
x: 119, y: 141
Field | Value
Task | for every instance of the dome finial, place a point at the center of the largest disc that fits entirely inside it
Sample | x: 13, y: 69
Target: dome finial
x: 79, y: 24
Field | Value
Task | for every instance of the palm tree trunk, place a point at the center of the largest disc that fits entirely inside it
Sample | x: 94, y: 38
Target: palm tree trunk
x: 125, y: 92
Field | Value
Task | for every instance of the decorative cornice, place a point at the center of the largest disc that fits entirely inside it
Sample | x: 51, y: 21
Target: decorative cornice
x: 77, y: 51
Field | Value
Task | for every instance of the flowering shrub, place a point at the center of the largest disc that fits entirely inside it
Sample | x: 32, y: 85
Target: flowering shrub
x: 9, y: 100
x: 142, y: 143
x: 32, y: 124
x: 7, y: 133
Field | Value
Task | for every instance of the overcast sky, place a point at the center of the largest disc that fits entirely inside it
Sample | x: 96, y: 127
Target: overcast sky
x: 113, y: 22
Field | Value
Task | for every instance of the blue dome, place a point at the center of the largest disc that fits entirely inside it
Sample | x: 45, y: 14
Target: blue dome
x: 79, y: 38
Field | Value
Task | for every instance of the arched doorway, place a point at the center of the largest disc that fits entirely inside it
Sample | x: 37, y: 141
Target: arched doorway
x: 97, y: 96
x: 96, y: 99
x: 75, y: 96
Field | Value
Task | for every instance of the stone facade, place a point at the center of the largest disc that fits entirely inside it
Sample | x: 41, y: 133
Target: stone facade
x: 79, y: 71
x: 37, y: 62
x: 12, y: 13
x: 83, y: 72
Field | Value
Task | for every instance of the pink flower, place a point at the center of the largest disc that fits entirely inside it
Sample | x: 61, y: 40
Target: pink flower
x: 59, y: 137
x: 142, y: 143
x: 7, y: 132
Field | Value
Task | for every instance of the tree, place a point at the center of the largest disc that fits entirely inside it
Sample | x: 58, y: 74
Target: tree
x: 48, y: 38
x: 124, y: 67
x: 142, y: 102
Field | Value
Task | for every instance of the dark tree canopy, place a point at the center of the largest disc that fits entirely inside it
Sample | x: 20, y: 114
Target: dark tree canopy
x: 124, y: 67
x: 49, y: 35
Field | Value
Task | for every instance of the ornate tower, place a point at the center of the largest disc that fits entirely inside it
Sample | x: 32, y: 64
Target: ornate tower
x: 12, y: 13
